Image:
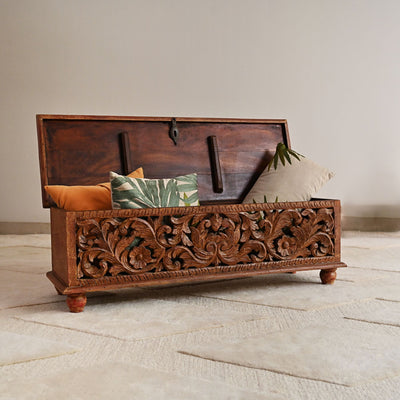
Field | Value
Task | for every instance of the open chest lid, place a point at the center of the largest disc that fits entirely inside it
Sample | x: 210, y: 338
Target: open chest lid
x: 228, y: 155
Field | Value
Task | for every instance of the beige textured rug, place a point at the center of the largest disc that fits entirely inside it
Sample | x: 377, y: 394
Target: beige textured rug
x: 34, y: 260
x: 34, y: 240
x: 19, y: 289
x: 393, y: 296
x: 126, y: 382
x: 301, y: 291
x: 389, y: 292
x: 343, y: 356
x: 306, y: 340
x: 378, y: 312
x: 385, y: 258
x: 17, y: 348
x: 358, y: 275
x: 135, y: 319
x: 370, y: 240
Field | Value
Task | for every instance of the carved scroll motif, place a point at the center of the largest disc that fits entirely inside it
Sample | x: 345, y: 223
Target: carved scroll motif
x: 134, y: 245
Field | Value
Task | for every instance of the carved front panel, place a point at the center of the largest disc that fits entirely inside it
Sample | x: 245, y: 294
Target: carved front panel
x: 117, y: 246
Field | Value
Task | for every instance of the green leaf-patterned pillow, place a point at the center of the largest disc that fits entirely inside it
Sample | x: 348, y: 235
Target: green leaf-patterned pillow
x: 151, y: 193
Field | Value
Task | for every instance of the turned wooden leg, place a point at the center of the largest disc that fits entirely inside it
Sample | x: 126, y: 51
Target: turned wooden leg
x: 328, y: 276
x: 76, y: 302
x: 58, y: 292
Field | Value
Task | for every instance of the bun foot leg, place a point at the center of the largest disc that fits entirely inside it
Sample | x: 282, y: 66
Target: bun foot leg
x: 328, y: 276
x: 76, y: 302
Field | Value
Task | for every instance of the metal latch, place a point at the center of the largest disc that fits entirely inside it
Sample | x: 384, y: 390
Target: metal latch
x: 173, y: 131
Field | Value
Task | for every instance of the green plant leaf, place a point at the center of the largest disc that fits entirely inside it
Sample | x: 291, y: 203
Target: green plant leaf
x: 287, y: 156
x: 283, y: 154
x: 295, y: 154
x: 276, y: 159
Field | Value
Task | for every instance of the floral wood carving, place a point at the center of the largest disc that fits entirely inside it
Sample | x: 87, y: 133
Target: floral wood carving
x: 135, y: 245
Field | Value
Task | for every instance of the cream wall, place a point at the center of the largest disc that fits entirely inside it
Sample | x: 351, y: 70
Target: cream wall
x: 332, y: 68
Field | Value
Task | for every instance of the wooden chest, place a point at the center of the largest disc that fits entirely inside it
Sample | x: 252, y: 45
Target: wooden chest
x: 221, y: 238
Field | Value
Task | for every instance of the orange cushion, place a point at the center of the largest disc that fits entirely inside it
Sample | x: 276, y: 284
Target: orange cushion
x: 80, y: 198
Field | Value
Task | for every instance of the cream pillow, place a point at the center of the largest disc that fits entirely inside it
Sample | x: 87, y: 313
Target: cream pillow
x: 298, y: 180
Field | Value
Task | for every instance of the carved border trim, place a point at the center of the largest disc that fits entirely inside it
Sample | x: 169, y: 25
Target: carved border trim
x: 223, y: 208
x: 276, y: 266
